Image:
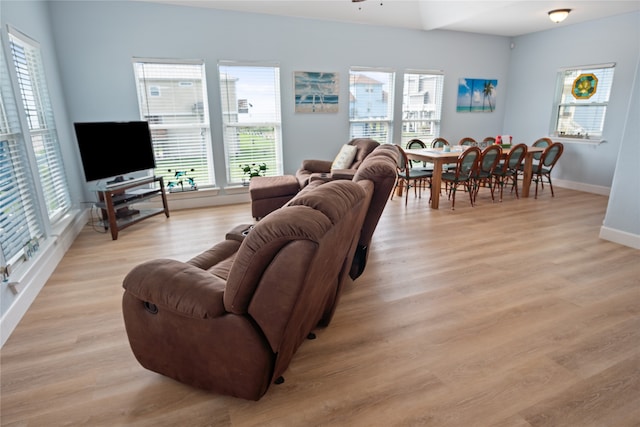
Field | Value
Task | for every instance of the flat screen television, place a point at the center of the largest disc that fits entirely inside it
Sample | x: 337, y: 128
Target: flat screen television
x: 113, y: 149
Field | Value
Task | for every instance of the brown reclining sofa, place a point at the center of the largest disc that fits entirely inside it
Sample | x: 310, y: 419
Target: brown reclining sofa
x: 230, y: 319
x: 311, y: 170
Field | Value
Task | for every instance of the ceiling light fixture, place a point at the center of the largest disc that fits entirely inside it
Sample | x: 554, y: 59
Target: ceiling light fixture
x: 559, y: 15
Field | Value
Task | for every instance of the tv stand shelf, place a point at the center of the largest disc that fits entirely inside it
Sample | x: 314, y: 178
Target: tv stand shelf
x: 115, y: 201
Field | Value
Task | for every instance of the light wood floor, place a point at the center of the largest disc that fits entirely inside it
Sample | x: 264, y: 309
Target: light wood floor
x: 511, y: 314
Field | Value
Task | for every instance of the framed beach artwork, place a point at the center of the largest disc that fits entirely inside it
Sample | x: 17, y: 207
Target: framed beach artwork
x: 476, y: 95
x: 316, y: 92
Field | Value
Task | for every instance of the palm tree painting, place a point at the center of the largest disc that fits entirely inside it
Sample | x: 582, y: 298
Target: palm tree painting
x: 476, y: 95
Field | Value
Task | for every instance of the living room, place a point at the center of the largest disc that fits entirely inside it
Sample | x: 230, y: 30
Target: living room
x: 88, y: 49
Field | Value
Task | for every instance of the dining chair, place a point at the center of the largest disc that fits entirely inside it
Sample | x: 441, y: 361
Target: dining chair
x: 548, y: 160
x: 439, y: 142
x: 468, y: 141
x: 464, y: 173
x: 489, y: 159
x: 486, y: 142
x: 508, y: 169
x: 418, y: 178
x: 540, y: 142
x: 416, y: 144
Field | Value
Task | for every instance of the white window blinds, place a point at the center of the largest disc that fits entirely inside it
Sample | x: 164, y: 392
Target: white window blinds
x: 172, y: 96
x: 421, y: 106
x: 371, y: 104
x: 250, y: 96
x: 582, y: 101
x: 43, y: 135
x: 20, y: 228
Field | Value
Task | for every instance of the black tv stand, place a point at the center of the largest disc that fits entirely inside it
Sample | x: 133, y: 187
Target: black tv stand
x: 116, y: 198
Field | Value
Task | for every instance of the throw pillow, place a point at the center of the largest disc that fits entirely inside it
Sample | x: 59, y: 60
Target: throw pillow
x: 345, y: 157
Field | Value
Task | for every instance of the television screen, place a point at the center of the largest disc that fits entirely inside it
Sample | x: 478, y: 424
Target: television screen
x: 112, y: 149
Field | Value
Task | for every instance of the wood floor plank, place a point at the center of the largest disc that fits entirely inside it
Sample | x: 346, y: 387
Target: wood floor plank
x: 503, y: 314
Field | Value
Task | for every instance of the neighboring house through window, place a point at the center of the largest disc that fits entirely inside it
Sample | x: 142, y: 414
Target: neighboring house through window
x: 371, y: 104
x: 172, y: 96
x: 421, y: 106
x: 251, y: 117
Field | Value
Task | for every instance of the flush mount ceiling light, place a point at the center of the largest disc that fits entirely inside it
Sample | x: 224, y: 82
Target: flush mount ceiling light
x: 559, y: 15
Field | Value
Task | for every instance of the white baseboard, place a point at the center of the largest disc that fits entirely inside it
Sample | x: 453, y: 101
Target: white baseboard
x: 203, y: 198
x: 579, y: 186
x: 620, y: 237
x: 34, y: 278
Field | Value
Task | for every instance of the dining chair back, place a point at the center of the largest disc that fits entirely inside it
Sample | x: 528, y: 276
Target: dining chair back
x: 464, y: 174
x: 439, y: 142
x: 548, y: 160
x: 468, y: 141
x: 410, y: 177
x: 540, y: 142
x: 489, y: 159
x: 508, y: 170
x: 416, y: 144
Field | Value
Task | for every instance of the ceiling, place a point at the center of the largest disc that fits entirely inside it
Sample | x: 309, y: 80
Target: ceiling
x: 502, y: 18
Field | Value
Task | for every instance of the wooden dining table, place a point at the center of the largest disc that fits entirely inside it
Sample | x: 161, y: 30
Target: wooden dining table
x: 439, y: 158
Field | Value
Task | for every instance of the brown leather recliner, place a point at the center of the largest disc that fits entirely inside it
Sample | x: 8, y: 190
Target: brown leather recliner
x: 321, y: 169
x: 231, y: 319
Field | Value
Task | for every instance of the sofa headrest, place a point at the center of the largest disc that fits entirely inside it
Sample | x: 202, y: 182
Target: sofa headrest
x: 380, y: 164
x: 387, y: 150
x: 308, y: 216
x: 333, y: 199
x: 365, y: 147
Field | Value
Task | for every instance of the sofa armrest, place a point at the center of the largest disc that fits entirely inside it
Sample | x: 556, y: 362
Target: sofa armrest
x: 343, y: 173
x: 315, y: 166
x: 178, y: 287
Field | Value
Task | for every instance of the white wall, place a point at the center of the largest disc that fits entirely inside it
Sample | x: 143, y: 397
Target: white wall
x: 96, y: 41
x: 88, y: 46
x: 622, y: 222
x: 535, y: 61
x: 534, y: 65
x: 32, y: 18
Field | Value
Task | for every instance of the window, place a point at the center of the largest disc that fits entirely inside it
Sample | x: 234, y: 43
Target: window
x: 250, y: 96
x: 172, y: 96
x: 582, y: 101
x: 43, y: 135
x: 20, y: 228
x: 371, y: 104
x: 421, y: 106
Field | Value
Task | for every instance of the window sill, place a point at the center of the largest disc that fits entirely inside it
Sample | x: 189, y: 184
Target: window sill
x: 585, y: 141
x: 193, y: 194
x: 236, y: 189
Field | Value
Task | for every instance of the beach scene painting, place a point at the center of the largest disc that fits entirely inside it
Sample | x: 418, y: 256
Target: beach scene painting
x: 316, y: 92
x: 476, y: 95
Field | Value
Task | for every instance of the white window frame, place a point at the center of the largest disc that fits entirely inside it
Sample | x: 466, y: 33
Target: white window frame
x: 263, y: 119
x: 181, y: 140
x: 421, y: 115
x: 42, y: 136
x: 378, y: 127
x: 564, y: 102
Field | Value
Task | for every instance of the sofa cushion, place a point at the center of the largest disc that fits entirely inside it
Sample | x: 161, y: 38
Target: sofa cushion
x: 345, y: 157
